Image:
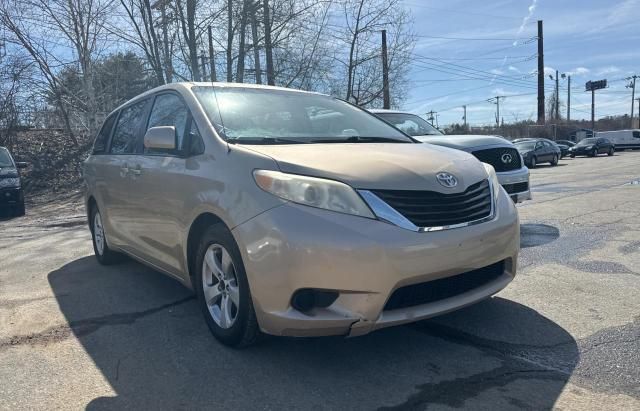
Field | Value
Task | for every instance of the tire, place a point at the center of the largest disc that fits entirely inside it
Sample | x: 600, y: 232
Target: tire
x: 593, y: 153
x: 235, y: 325
x: 572, y: 156
x: 19, y: 210
x: 103, y: 253
x: 611, y: 151
x: 532, y: 162
x: 554, y: 161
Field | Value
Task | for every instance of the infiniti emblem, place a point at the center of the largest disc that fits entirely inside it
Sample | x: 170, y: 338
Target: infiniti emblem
x: 447, y: 180
x: 506, y: 158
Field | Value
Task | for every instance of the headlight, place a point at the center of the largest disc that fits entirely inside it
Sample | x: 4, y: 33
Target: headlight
x: 314, y: 192
x: 10, y: 182
x: 493, y: 179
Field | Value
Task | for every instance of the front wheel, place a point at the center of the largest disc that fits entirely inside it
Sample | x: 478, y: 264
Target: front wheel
x: 611, y: 150
x: 572, y: 156
x: 103, y: 253
x: 19, y: 210
x: 223, y: 290
x: 554, y: 161
x: 594, y: 152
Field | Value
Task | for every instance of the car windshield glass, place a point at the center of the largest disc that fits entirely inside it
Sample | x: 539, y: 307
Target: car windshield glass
x: 5, y: 159
x: 526, y: 145
x: 587, y: 141
x: 410, y: 124
x: 267, y: 116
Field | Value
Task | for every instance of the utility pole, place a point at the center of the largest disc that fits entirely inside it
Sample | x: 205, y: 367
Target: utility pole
x: 497, y: 103
x: 204, y: 65
x: 632, y: 86
x: 540, y: 74
x: 638, y: 112
x: 212, y: 61
x: 593, y: 109
x: 464, y: 118
x: 556, y: 111
x: 385, y: 73
x: 431, y: 116
x: 568, y: 98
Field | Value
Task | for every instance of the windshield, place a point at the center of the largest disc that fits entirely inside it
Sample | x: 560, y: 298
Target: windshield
x: 526, y: 145
x: 587, y: 141
x: 5, y: 158
x: 255, y: 116
x: 410, y: 124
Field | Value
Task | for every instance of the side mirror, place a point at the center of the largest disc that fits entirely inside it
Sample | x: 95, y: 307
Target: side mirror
x: 160, y: 138
x: 21, y: 164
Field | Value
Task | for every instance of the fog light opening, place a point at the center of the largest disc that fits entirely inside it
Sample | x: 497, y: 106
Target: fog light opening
x: 307, y: 299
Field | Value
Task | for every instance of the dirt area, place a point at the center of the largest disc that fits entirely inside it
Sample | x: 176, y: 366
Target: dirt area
x: 54, y: 171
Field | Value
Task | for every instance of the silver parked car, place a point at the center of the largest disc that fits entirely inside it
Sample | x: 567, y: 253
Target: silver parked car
x: 295, y: 213
x: 500, y: 153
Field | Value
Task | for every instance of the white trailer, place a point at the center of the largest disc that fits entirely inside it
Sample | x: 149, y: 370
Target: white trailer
x: 622, y: 139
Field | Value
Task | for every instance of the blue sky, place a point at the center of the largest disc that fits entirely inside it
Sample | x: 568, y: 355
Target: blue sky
x: 588, y: 39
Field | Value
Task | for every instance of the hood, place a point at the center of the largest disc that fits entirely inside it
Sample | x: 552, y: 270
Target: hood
x: 390, y: 166
x: 465, y: 142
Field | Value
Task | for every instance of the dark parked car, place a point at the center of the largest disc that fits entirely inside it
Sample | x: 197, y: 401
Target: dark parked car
x: 566, y: 142
x: 536, y: 151
x: 11, y: 194
x: 564, y: 149
x: 592, y: 147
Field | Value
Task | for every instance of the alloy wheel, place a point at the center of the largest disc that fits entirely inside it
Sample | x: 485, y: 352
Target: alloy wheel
x: 98, y: 233
x: 220, y: 286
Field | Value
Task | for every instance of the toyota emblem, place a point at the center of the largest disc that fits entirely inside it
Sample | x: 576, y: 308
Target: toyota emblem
x: 506, y: 158
x: 447, y: 180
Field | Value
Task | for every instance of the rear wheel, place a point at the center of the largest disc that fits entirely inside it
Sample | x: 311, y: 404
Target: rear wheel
x: 594, y: 152
x: 103, y: 253
x: 554, y: 161
x: 611, y: 150
x: 223, y: 290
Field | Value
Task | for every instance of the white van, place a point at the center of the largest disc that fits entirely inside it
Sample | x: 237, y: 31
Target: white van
x: 622, y: 139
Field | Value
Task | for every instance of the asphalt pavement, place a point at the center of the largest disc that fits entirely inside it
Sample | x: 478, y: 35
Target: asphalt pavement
x: 565, y: 334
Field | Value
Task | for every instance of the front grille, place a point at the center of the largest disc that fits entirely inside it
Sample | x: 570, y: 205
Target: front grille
x: 434, y: 209
x: 502, y: 159
x: 516, y: 187
x: 443, y: 288
x: 9, y: 196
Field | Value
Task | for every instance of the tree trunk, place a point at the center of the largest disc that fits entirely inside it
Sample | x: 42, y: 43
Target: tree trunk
x: 268, y: 51
x: 241, y: 46
x: 256, y: 49
x: 191, y: 40
x: 229, y: 41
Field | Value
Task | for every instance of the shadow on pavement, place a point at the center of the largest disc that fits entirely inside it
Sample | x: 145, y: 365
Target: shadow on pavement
x: 146, y: 336
x: 535, y: 235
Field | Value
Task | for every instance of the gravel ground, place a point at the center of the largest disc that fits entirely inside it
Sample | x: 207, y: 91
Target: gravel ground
x: 565, y: 334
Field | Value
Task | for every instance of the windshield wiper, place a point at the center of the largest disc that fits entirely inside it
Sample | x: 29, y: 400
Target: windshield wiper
x: 263, y: 140
x: 359, y: 139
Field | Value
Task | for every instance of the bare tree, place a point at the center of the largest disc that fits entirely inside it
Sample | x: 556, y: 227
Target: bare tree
x: 24, y: 35
x: 187, y: 21
x: 141, y: 19
x: 82, y: 24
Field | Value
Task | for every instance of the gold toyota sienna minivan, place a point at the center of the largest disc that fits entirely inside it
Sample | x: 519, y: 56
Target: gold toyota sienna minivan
x: 295, y: 213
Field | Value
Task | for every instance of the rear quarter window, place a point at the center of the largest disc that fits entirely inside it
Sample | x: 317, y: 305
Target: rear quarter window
x: 636, y: 134
x: 100, y: 144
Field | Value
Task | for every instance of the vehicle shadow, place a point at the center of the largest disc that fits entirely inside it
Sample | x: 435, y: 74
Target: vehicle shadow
x: 145, y: 334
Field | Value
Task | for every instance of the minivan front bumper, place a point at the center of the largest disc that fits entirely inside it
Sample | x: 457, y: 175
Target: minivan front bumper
x: 293, y: 247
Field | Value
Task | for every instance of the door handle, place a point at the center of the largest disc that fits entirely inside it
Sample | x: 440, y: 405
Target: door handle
x: 124, y: 170
x: 136, y: 171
